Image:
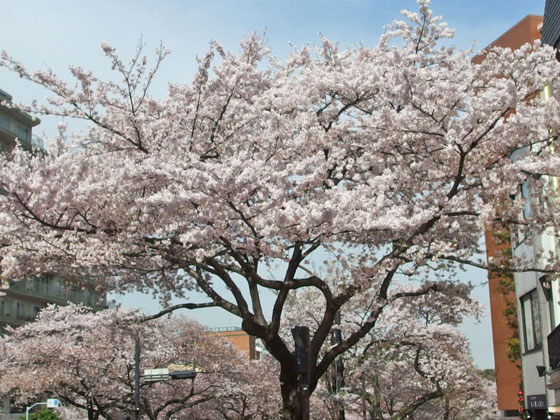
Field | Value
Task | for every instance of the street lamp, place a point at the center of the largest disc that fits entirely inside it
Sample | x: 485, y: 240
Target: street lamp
x: 51, y: 403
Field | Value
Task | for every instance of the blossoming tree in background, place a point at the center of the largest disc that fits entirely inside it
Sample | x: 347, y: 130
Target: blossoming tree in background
x: 87, y: 361
x: 413, y: 364
x: 382, y: 162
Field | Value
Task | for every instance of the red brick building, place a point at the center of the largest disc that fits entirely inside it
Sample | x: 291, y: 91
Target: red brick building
x: 508, y: 373
x: 239, y: 339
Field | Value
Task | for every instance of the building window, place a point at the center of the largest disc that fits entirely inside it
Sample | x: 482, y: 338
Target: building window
x: 526, y: 194
x: 30, y: 285
x: 2, y: 307
x: 43, y: 285
x: 20, y: 310
x: 532, y: 336
x: 4, y: 122
x: 23, y: 133
x: 59, y: 291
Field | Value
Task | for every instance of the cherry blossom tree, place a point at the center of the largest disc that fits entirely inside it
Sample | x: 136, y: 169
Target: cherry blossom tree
x: 253, y: 396
x: 420, y: 366
x: 87, y: 361
x: 413, y: 364
x: 425, y: 372
x: 58, y: 353
x: 477, y: 402
x: 380, y: 161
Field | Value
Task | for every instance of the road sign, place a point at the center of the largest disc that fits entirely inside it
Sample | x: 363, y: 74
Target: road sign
x: 183, y: 374
x: 154, y: 375
x: 53, y: 403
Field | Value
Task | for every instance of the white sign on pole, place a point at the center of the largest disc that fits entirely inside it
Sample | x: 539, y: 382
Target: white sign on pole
x: 53, y: 403
x: 154, y: 375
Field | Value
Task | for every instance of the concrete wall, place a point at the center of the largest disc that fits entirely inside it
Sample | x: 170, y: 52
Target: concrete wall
x: 525, y: 283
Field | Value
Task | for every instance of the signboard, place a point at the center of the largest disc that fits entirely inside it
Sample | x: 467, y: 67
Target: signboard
x: 53, y: 403
x: 183, y: 374
x: 536, y: 402
x: 154, y: 375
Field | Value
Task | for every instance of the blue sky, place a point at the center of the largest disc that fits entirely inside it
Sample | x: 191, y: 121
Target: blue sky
x: 58, y: 33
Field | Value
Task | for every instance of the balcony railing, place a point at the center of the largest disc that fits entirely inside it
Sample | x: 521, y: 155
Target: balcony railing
x: 39, y: 290
x: 554, y: 348
x: 224, y: 329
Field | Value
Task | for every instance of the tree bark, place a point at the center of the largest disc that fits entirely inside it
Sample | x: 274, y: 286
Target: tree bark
x: 292, y: 408
x: 293, y: 404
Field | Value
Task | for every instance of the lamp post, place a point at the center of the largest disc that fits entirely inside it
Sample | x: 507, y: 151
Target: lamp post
x: 51, y: 403
x: 137, y: 378
x: 339, y: 366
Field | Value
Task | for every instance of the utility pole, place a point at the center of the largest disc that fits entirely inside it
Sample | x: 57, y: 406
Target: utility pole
x: 301, y: 358
x: 137, y: 378
x: 339, y: 366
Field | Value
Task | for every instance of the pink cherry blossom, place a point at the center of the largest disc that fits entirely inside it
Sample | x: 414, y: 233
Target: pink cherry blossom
x: 86, y: 360
x: 382, y: 163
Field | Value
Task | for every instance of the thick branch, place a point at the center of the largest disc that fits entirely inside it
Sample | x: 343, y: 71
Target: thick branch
x: 179, y: 306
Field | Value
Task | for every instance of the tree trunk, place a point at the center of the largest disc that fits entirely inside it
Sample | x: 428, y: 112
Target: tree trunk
x: 90, y: 409
x: 293, y: 407
x: 294, y: 378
